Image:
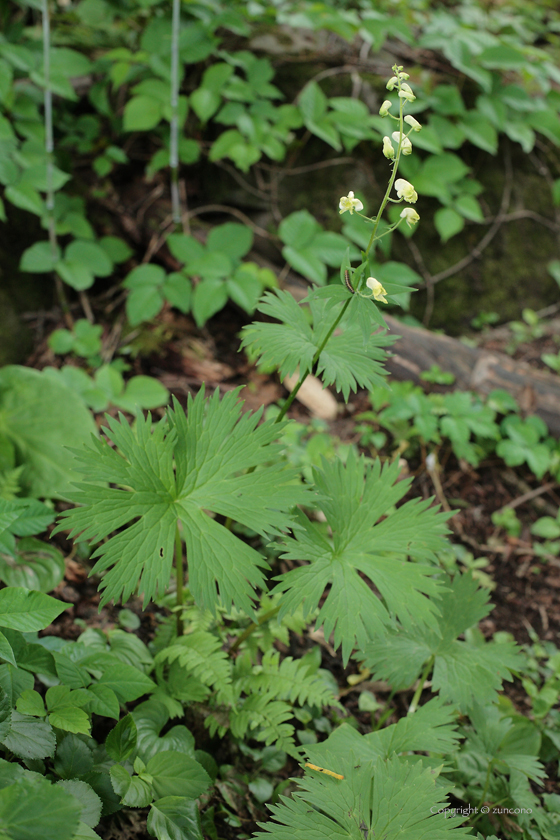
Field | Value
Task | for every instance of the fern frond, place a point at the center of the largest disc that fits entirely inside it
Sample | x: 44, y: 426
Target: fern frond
x: 287, y: 680
x: 265, y: 719
x: 200, y: 654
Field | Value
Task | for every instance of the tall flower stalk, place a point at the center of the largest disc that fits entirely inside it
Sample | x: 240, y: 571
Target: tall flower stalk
x: 348, y: 203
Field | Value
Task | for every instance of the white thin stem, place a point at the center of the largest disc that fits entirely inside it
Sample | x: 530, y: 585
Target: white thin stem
x: 174, y: 126
x: 49, y: 143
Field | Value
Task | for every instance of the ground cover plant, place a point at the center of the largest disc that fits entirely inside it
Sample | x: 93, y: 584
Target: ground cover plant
x: 239, y: 533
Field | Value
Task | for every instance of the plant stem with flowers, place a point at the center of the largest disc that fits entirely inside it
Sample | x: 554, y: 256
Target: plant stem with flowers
x: 349, y: 203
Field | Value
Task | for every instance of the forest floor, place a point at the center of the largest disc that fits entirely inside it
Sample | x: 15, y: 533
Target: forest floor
x: 526, y: 591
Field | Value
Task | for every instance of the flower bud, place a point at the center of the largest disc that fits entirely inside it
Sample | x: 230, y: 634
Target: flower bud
x: 388, y: 149
x: 393, y: 81
x: 408, y: 95
x: 406, y: 146
x: 385, y: 108
x: 414, y: 124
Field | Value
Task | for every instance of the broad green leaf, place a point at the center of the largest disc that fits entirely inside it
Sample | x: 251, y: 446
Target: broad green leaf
x: 147, y: 275
x: 6, y: 651
x: 205, y: 103
x: 354, y: 499
x: 26, y: 198
x: 29, y: 738
x: 39, y: 258
x: 31, y: 703
x: 448, y: 223
x: 127, y: 682
x: 33, y: 808
x: 209, y: 297
x: 175, y: 818
x: 88, y: 799
x: 22, y: 609
x: 183, y: 467
x: 479, y: 131
x: 33, y: 565
x: 91, y: 255
x: 307, y: 263
x: 73, y: 757
x: 13, y: 682
x: 245, y: 290
x: 231, y: 239
x: 298, y: 229
x: 75, y: 273
x: 142, y: 392
x: 177, y: 290
x: 133, y: 791
x: 142, y: 113
x: 469, y: 207
x: 70, y: 719
x: 143, y: 304
x: 174, y: 774
x: 37, y: 177
x: 116, y: 248
x: 121, y: 740
x: 104, y: 701
x: 186, y: 248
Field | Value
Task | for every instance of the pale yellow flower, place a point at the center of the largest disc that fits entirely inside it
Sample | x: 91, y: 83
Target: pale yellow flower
x: 406, y: 190
x: 348, y: 202
x: 385, y: 108
x: 410, y: 216
x: 377, y: 291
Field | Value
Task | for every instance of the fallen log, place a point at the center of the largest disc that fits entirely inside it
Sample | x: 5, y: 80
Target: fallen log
x: 536, y: 391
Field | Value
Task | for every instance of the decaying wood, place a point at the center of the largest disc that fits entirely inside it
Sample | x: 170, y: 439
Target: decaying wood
x: 536, y: 391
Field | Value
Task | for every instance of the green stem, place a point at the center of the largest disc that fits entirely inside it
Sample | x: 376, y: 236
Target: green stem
x: 423, y: 678
x: 304, y: 376
x: 251, y: 629
x: 391, y: 179
x: 179, y: 571
x: 387, y: 713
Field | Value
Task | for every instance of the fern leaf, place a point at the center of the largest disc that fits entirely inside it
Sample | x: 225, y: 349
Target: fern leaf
x: 463, y: 673
x: 265, y: 720
x: 353, y: 498
x: 287, y: 680
x: 200, y: 654
x: 177, y: 471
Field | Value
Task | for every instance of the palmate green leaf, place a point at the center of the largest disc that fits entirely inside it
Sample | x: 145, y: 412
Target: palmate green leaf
x: 354, y: 498
x: 350, y: 359
x: 431, y: 728
x: 463, y: 673
x: 175, y: 472
x: 387, y: 799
